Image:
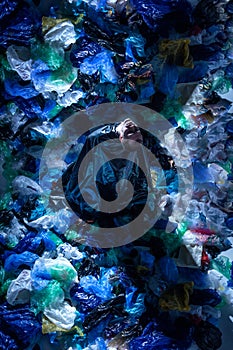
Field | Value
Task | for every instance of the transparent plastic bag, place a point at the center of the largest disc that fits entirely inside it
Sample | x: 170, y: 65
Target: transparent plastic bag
x: 19, y: 289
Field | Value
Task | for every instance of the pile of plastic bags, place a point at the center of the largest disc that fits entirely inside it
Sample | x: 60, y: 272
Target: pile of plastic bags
x: 165, y: 290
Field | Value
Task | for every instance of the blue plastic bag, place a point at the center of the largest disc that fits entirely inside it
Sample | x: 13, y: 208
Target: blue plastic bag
x: 20, y: 323
x: 168, y: 269
x: 17, y: 262
x: 152, y: 338
x: 84, y: 301
x: 7, y: 7
x: 7, y: 343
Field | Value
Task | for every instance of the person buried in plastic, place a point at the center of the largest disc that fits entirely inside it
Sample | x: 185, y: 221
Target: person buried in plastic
x: 107, y: 165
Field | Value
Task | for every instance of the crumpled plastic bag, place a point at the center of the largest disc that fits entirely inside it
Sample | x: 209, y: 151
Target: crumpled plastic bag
x: 152, y: 338
x: 63, y: 315
x: 104, y: 311
x: 84, y: 301
x: 134, y: 305
x: 208, y: 336
x: 14, y: 263
x: 59, y: 269
x: 19, y: 289
x: 20, y: 323
x: 49, y: 294
x: 100, y: 287
x: 7, y: 343
x: 177, y: 297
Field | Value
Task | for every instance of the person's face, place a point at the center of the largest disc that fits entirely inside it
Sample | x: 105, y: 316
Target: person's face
x: 131, y: 136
